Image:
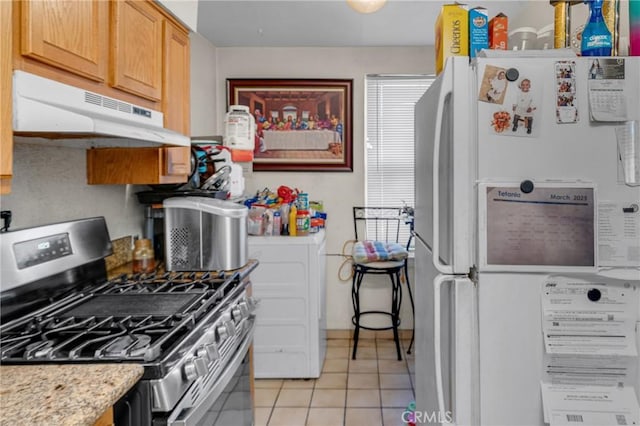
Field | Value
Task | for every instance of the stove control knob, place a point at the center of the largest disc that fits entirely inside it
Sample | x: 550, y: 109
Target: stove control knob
x: 202, y: 353
x: 231, y: 327
x: 244, y: 308
x: 195, y: 368
x: 222, y: 331
x: 236, y: 314
x: 212, y: 351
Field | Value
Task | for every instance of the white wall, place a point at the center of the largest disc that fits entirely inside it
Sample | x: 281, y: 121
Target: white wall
x: 203, y: 86
x: 49, y: 185
x: 186, y: 11
x: 339, y: 190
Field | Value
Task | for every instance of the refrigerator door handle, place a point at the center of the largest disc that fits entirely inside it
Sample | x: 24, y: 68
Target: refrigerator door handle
x: 437, y: 324
x: 447, y: 90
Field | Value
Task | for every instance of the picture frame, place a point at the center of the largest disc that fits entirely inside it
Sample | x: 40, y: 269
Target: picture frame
x: 301, y: 124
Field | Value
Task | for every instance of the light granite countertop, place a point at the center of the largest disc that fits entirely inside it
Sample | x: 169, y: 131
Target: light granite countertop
x: 62, y: 394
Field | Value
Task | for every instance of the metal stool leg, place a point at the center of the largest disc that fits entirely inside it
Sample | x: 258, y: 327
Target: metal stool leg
x: 395, y: 275
x: 355, y: 299
x: 396, y: 301
x: 413, y: 310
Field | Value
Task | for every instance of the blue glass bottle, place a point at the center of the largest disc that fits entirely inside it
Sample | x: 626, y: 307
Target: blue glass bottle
x: 596, y: 37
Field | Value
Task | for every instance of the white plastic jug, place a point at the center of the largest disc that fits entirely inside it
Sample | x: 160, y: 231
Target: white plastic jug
x: 239, y: 128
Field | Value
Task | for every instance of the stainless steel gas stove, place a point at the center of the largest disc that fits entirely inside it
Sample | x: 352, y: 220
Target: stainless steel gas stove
x: 190, y: 331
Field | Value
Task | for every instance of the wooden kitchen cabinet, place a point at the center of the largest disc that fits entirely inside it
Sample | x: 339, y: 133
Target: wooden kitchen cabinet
x: 117, y: 48
x: 110, y: 47
x: 6, y: 134
x: 106, y: 419
x: 142, y: 166
x: 176, y: 79
x: 69, y: 35
x: 136, y: 48
x: 162, y: 165
x: 130, y: 50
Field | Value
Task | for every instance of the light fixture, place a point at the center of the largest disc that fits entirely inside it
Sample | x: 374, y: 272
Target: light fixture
x: 366, y: 6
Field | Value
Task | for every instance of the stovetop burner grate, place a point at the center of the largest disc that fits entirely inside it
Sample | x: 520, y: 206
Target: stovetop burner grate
x: 136, y: 305
x: 170, y: 282
x: 137, y: 317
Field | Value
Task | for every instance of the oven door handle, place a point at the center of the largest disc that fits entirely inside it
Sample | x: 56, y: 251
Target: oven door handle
x: 193, y: 415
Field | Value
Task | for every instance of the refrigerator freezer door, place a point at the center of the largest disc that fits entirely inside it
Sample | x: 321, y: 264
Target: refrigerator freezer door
x: 446, y: 376
x: 445, y: 174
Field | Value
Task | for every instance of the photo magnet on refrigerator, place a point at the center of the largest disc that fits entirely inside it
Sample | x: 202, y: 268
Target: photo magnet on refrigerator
x: 519, y: 112
x: 525, y: 107
x: 494, y: 85
x: 566, y: 101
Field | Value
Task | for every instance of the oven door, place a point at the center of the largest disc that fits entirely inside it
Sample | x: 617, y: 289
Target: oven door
x: 228, y: 401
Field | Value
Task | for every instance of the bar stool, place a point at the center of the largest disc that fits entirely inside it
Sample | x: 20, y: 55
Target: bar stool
x: 379, y: 233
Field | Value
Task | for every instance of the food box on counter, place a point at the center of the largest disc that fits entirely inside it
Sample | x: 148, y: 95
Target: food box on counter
x: 452, y: 33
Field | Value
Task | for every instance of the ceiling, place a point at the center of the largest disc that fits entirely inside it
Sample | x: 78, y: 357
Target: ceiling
x: 327, y: 23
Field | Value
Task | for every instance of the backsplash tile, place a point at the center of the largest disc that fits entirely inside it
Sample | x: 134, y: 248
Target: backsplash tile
x: 122, y: 252
x: 66, y: 195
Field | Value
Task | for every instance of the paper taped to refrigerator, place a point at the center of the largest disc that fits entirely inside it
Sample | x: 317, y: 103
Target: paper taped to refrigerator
x: 619, y: 234
x: 551, y: 226
x: 590, y: 370
x: 607, y: 88
x: 589, y: 317
x: 591, y: 356
x: 589, y: 405
x: 628, y: 137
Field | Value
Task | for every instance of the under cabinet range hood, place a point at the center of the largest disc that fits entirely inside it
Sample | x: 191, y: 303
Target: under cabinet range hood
x: 41, y: 105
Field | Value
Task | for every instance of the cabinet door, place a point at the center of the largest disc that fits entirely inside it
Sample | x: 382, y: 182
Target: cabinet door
x: 6, y: 127
x: 106, y: 419
x: 176, y: 87
x: 136, y: 65
x: 140, y: 166
x: 71, y: 35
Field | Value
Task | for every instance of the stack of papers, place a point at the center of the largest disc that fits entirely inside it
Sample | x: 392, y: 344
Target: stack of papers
x: 591, y: 356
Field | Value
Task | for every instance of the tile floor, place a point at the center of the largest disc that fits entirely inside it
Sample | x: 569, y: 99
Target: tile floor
x: 373, y: 390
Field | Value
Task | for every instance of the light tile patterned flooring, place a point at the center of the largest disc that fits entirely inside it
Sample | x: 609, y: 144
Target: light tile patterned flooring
x: 373, y: 390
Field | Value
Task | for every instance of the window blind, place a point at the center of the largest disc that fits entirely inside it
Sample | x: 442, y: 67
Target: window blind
x: 389, y: 165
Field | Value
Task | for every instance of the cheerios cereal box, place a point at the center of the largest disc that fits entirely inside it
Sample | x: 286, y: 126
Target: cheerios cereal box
x: 452, y: 33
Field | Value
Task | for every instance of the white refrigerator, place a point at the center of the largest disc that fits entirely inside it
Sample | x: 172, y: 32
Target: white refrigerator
x: 523, y: 178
